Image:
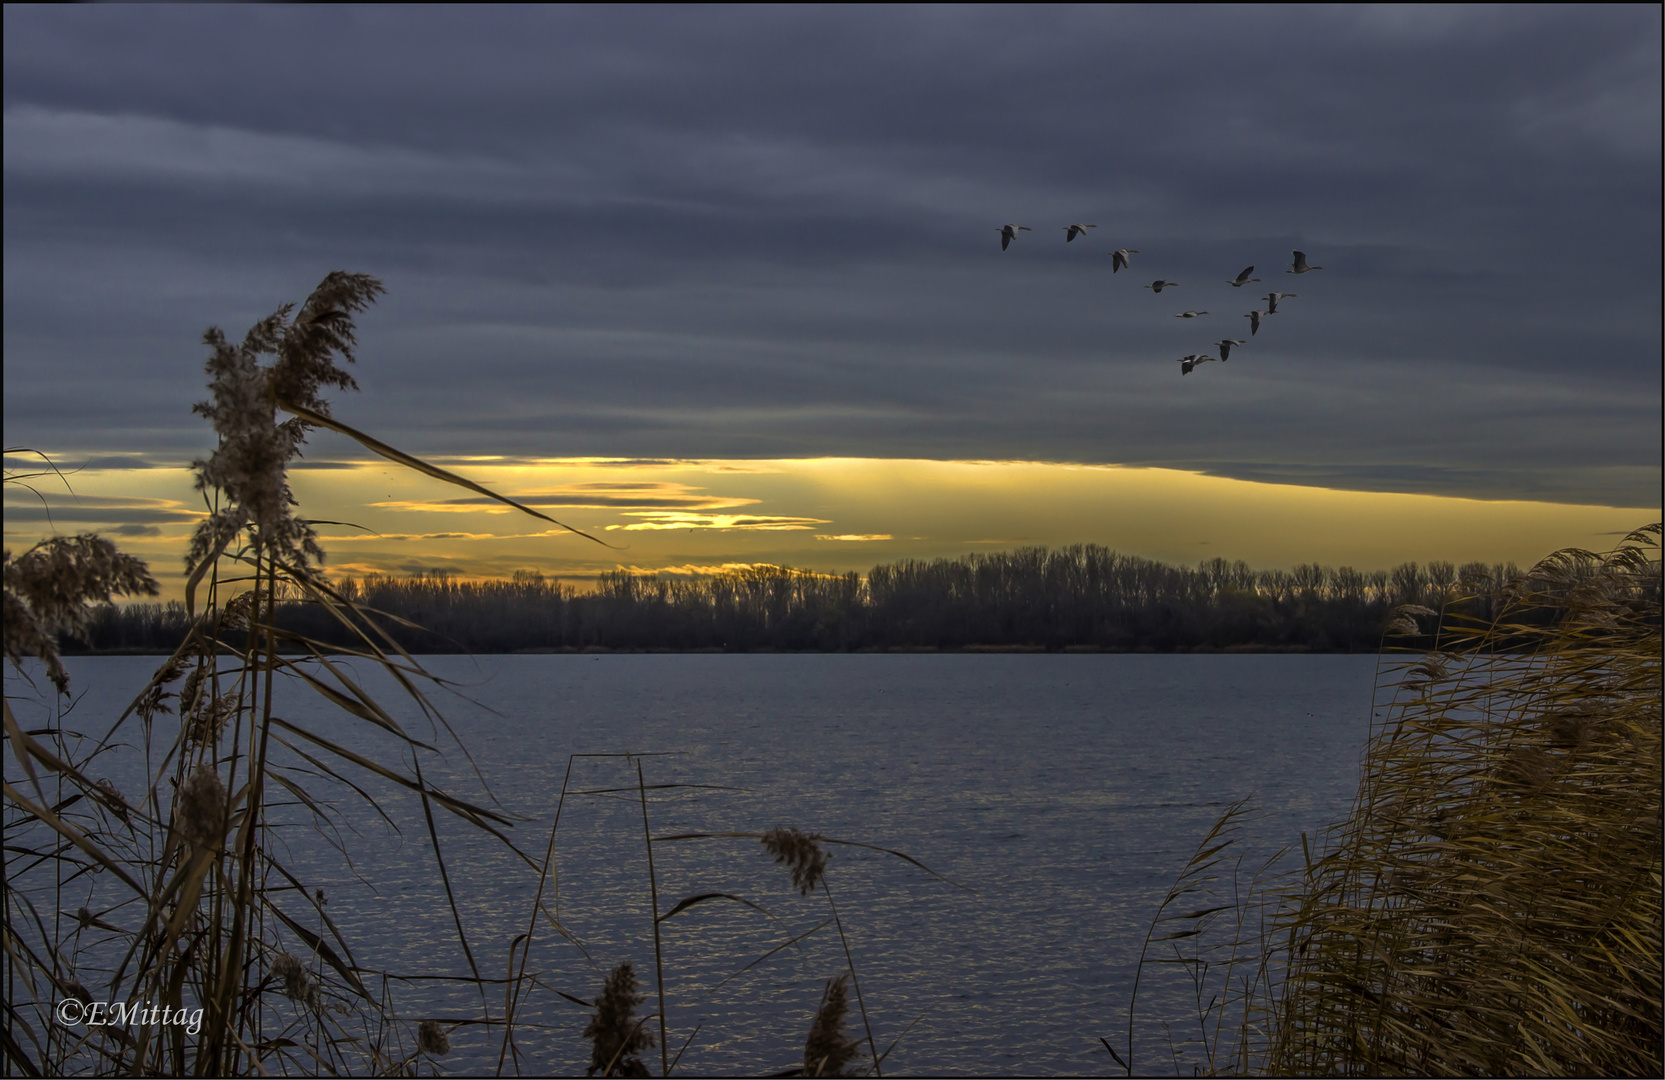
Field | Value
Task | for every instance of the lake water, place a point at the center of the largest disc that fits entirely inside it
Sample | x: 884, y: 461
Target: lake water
x: 1067, y: 791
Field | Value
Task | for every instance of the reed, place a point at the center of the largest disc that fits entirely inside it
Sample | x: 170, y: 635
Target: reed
x: 198, y: 907
x: 829, y: 1051
x: 616, y: 1033
x: 200, y: 914
x: 1491, y: 905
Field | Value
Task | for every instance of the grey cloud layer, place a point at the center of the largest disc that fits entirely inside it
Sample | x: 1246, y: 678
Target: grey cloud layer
x: 731, y: 232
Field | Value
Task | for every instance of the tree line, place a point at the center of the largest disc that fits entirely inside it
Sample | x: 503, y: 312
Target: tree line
x: 1084, y: 596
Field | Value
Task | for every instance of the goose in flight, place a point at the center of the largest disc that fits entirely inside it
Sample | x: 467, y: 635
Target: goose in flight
x: 1273, y: 298
x: 1190, y: 314
x: 1243, y: 278
x: 1225, y: 346
x: 1186, y: 363
x: 1008, y: 233
x: 1076, y: 230
x: 1118, y: 258
x: 1300, y: 264
x: 1254, y: 318
x: 1158, y: 285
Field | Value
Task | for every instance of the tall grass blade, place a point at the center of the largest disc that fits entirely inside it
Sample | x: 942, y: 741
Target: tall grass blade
x: 412, y: 462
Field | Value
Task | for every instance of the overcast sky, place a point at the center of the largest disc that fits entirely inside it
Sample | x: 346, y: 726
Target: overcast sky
x: 771, y: 233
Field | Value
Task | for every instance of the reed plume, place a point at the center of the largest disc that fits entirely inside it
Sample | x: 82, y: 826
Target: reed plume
x: 250, y: 465
x: 829, y: 1050
x: 51, y: 589
x: 106, y: 792
x: 298, y: 984
x: 431, y: 1039
x: 616, y: 1035
x: 199, y: 812
x: 802, y: 853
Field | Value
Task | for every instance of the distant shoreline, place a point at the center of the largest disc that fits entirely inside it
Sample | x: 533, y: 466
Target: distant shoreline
x: 1084, y: 599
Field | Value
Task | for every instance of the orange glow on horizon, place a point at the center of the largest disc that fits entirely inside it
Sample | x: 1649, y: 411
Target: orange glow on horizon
x: 829, y: 515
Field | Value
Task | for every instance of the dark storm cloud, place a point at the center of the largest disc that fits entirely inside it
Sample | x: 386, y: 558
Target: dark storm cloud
x: 87, y: 508
x: 741, y: 232
x: 38, y: 467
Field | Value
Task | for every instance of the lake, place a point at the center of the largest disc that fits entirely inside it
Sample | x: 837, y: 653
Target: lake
x: 1063, y: 791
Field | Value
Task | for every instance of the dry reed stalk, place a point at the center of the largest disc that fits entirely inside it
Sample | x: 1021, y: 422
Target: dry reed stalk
x: 653, y: 906
x: 517, y: 986
x: 1195, y: 892
x: 806, y: 859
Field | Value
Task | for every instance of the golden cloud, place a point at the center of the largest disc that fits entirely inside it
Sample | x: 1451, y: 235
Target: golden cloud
x: 701, y: 569
x: 678, y: 519
x: 590, y: 495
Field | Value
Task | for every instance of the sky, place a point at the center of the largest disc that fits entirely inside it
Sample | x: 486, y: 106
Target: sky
x: 725, y: 285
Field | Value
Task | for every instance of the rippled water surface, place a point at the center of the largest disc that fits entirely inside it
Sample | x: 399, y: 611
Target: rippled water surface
x: 1064, y: 792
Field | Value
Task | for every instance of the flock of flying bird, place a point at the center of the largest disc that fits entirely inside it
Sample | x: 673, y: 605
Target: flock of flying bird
x: 1119, y: 259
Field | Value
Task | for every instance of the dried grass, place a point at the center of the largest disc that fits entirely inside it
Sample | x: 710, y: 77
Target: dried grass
x: 1492, y: 904
x: 199, y: 907
x: 208, y: 912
